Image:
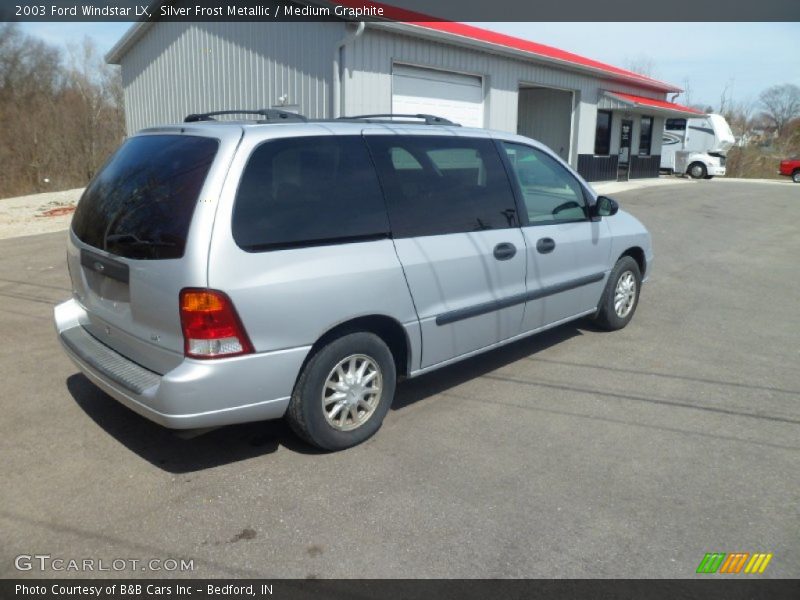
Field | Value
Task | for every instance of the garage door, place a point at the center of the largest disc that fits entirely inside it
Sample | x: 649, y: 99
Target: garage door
x: 546, y: 115
x: 450, y: 95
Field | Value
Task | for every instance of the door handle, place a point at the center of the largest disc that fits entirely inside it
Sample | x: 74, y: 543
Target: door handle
x: 505, y: 251
x: 545, y: 245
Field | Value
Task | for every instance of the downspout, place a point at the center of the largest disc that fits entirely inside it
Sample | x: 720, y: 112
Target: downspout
x: 338, y: 55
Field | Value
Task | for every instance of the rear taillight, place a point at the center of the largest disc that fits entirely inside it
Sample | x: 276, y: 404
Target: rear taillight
x: 211, y: 327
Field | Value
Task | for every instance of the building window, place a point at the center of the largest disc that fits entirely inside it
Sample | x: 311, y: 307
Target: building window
x: 602, y: 135
x: 645, y: 136
x: 675, y: 125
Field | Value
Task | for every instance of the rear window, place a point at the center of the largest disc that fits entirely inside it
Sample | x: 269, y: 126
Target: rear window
x: 306, y: 191
x: 141, y: 204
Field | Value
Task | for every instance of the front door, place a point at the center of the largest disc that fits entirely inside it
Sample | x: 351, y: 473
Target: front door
x: 456, y: 233
x: 624, y: 163
x: 568, y: 253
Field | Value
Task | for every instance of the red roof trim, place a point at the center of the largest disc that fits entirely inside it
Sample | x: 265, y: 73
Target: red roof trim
x: 655, y: 103
x: 506, y: 41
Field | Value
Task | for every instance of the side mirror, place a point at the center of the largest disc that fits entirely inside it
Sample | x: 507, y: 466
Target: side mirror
x: 604, y: 207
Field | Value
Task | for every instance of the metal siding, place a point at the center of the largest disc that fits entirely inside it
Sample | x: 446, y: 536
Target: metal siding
x: 637, y: 124
x: 585, y: 134
x: 616, y: 129
x: 179, y: 68
x: 658, y: 132
x: 370, y: 60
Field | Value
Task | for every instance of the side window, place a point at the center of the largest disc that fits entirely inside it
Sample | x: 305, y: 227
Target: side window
x: 308, y: 190
x: 550, y: 192
x: 401, y: 160
x: 436, y: 185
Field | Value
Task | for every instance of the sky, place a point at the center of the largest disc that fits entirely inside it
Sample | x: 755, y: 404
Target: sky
x: 745, y: 57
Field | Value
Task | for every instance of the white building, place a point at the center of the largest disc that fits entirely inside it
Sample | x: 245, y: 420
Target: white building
x: 604, y: 120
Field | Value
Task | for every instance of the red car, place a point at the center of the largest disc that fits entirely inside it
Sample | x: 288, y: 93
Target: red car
x: 791, y: 168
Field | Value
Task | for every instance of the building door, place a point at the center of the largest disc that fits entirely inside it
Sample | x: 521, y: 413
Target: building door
x: 625, y: 137
x: 454, y: 96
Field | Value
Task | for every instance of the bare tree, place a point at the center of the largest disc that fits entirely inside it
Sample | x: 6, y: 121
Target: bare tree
x: 91, y: 85
x: 58, y: 122
x: 726, y: 97
x: 780, y: 104
x: 687, y: 91
x: 641, y: 64
x: 740, y: 116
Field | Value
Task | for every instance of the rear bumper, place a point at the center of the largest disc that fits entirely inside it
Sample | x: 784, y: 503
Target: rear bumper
x: 196, y: 393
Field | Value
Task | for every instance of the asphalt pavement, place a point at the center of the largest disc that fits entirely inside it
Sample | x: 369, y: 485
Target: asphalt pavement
x: 576, y: 453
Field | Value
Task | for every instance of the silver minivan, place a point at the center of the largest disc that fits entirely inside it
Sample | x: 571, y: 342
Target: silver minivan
x: 234, y: 271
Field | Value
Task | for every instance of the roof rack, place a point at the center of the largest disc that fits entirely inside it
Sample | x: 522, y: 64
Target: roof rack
x: 269, y: 114
x: 429, y: 119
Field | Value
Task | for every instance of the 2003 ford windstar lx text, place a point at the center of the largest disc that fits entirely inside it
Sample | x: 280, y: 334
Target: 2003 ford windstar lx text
x: 233, y: 271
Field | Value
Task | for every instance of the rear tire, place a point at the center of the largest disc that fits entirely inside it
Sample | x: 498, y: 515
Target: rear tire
x: 697, y: 170
x: 796, y: 176
x: 621, y: 295
x: 343, y: 392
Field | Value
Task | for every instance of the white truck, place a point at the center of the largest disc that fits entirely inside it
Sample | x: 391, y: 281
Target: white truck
x: 696, y: 147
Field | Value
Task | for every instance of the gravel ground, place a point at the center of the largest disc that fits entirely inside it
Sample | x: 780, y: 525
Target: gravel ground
x: 27, y: 215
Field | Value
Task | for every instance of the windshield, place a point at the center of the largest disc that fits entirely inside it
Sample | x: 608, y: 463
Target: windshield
x: 141, y: 204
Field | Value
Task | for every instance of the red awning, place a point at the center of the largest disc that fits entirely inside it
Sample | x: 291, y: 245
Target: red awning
x: 650, y: 103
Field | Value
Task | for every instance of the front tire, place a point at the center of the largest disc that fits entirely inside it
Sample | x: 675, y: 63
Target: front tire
x: 621, y: 295
x: 343, y: 392
x: 697, y: 170
x: 796, y: 176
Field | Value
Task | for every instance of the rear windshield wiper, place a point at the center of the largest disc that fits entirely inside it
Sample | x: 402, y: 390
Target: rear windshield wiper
x: 131, y: 239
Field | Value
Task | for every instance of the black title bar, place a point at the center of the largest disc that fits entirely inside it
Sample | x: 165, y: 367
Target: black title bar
x: 401, y: 10
x: 279, y: 589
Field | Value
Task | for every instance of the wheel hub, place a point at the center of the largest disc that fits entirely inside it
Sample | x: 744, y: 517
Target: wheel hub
x: 352, y: 392
x: 625, y: 294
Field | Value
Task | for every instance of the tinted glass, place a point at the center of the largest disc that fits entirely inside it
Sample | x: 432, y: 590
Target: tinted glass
x: 309, y: 190
x: 602, y: 135
x: 675, y: 125
x: 439, y: 185
x: 141, y: 203
x: 645, y: 136
x: 550, y: 192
